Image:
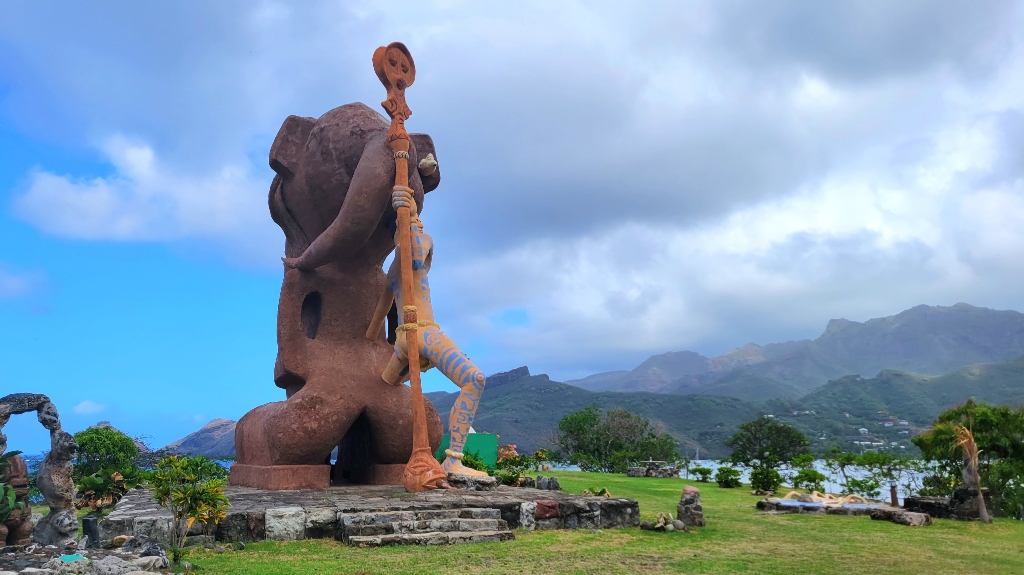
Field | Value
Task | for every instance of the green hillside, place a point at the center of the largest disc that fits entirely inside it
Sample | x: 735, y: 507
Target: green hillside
x: 919, y: 399
x: 526, y: 411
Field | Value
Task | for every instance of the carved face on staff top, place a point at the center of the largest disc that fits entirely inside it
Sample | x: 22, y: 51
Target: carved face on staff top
x: 396, y: 70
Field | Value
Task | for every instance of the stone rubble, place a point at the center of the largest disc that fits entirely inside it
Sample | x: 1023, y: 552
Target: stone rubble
x: 109, y: 559
x: 653, y: 469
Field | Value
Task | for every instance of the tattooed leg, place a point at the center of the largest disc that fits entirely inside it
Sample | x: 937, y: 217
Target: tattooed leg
x: 443, y: 353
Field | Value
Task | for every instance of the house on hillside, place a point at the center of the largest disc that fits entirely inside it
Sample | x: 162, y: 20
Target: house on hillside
x: 863, y: 431
x: 903, y: 423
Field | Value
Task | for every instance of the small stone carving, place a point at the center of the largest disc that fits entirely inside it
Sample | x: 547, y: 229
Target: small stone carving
x: 17, y: 529
x: 60, y: 527
x: 689, y: 510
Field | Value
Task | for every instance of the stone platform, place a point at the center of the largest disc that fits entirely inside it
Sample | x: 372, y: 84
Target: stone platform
x: 811, y: 507
x: 382, y: 514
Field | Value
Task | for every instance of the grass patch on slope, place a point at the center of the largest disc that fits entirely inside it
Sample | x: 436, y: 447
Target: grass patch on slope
x: 736, y: 540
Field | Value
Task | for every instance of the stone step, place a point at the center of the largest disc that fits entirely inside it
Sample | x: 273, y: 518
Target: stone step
x: 432, y: 538
x: 379, y: 517
x: 425, y: 526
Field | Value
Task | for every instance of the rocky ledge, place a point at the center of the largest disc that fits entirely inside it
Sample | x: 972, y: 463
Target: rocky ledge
x: 255, y: 515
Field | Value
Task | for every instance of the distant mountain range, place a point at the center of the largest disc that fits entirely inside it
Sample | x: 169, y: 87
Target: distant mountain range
x: 215, y: 439
x: 844, y: 386
x: 923, y: 340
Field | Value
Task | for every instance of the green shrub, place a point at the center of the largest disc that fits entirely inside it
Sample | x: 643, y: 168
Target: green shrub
x: 806, y: 476
x: 703, y: 474
x: 105, y: 488
x: 764, y: 479
x: 728, y: 477
x: 193, y: 489
x: 473, y: 461
x: 103, y: 448
x: 809, y: 479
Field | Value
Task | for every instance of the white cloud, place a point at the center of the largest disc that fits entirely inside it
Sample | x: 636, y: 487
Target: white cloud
x: 17, y: 284
x: 89, y: 407
x: 145, y: 200
x: 858, y: 244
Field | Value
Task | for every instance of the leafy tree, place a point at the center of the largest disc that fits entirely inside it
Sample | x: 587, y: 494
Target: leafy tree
x: 104, y: 448
x: 612, y: 441
x: 764, y: 445
x: 806, y: 476
x: 865, y: 474
x: 728, y: 477
x: 998, y: 438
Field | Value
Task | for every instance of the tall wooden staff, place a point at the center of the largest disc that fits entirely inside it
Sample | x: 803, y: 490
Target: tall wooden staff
x: 394, y: 66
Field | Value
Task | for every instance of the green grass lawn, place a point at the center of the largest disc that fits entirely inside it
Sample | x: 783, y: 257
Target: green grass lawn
x: 736, y: 540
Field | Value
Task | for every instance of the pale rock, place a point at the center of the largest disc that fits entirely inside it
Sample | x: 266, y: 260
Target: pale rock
x: 110, y: 565
x: 154, y: 564
x: 527, y: 515
x: 286, y: 523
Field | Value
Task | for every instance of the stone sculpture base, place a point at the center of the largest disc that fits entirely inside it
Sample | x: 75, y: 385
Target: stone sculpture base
x: 286, y: 477
x: 255, y: 515
x: 962, y: 506
x: 281, y: 477
x: 381, y: 474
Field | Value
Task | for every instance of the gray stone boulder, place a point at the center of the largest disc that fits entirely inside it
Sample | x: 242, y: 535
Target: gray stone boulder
x: 902, y: 517
x: 548, y: 483
x: 473, y: 482
x: 690, y: 511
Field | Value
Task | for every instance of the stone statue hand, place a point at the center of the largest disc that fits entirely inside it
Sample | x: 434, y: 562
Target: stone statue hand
x: 401, y: 197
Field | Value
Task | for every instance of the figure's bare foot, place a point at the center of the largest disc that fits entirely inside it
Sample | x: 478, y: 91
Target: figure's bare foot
x: 424, y: 473
x: 455, y: 466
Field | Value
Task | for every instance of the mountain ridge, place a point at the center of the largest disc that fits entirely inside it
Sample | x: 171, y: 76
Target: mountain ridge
x: 930, y: 340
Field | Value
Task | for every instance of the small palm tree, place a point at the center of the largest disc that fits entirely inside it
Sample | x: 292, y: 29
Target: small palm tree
x: 965, y: 441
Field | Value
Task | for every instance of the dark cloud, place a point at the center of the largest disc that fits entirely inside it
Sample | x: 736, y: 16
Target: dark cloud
x: 699, y: 174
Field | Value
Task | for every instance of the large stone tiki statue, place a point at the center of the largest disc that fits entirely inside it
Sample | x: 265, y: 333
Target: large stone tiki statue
x: 332, y: 198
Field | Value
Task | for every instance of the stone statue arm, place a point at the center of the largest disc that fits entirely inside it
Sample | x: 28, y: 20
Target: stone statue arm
x: 368, y: 197
x: 381, y: 313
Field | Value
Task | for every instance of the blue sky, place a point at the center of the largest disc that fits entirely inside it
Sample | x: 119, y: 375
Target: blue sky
x: 619, y: 181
